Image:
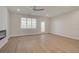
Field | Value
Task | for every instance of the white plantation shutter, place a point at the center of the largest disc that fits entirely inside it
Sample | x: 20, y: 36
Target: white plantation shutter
x: 28, y: 23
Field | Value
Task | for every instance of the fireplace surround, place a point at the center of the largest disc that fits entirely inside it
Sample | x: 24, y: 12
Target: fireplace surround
x: 2, y: 34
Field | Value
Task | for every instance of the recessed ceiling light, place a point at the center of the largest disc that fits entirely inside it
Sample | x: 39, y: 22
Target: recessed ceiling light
x: 18, y: 9
x: 47, y: 15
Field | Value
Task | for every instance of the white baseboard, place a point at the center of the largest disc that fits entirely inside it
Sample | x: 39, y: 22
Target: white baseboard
x: 68, y: 36
x: 26, y: 34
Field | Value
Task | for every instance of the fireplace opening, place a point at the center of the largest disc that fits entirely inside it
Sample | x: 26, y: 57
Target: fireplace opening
x: 2, y: 34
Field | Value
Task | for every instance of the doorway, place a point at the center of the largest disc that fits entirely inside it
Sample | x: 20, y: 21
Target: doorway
x: 42, y: 27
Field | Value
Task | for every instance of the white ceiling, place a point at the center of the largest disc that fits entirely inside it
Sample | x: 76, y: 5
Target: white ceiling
x: 49, y: 10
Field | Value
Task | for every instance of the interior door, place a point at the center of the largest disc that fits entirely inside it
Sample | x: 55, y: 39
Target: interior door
x: 43, y: 27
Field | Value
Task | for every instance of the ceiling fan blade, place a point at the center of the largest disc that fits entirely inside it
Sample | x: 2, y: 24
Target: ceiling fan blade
x: 37, y: 9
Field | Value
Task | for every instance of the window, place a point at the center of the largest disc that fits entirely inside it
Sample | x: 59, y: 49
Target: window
x: 23, y: 22
x: 28, y: 23
x: 33, y: 23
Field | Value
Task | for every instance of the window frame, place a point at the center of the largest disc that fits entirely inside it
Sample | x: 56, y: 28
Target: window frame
x: 29, y: 24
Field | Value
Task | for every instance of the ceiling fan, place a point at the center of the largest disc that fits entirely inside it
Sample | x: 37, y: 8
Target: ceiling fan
x: 35, y: 8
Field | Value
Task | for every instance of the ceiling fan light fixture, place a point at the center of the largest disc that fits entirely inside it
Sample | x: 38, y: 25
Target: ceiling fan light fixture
x: 37, y: 9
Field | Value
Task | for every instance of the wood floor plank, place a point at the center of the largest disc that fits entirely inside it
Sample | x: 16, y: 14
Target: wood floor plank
x: 44, y: 43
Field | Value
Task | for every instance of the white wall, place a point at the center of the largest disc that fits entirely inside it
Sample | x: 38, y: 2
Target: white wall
x: 17, y: 31
x: 66, y: 25
x: 4, y: 24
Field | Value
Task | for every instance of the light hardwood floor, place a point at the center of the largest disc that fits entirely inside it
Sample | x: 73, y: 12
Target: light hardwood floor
x: 44, y: 43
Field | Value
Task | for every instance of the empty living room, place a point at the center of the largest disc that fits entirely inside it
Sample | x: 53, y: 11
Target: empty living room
x: 39, y: 29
